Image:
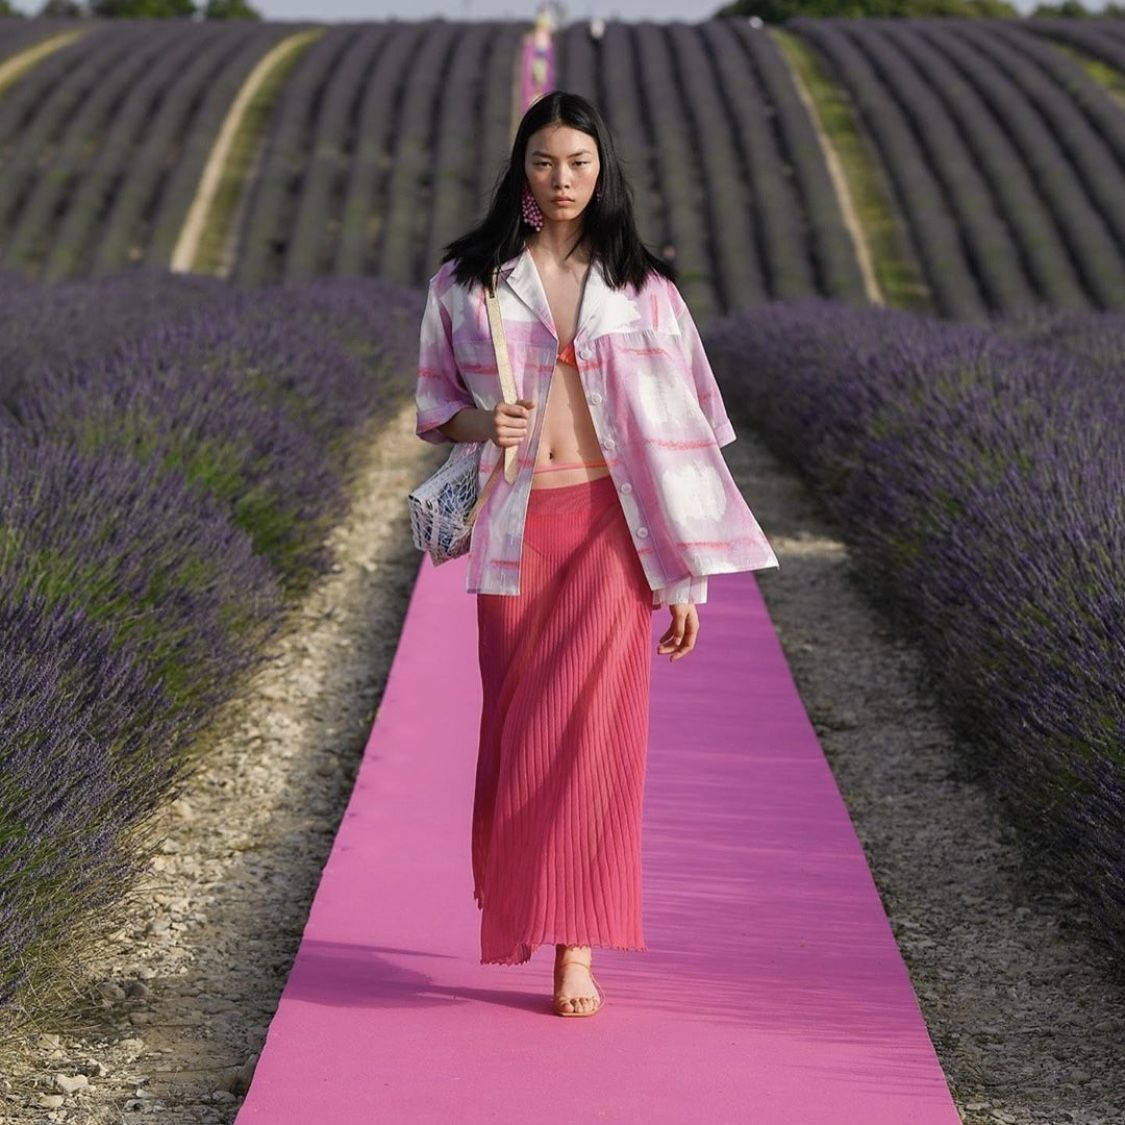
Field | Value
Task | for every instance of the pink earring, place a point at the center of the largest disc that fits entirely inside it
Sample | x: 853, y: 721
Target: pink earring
x: 532, y: 215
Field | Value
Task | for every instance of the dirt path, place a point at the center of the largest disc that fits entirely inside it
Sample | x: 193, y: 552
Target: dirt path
x: 1022, y: 1022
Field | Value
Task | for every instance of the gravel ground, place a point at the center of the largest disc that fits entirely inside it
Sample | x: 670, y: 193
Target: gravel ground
x: 1021, y: 1014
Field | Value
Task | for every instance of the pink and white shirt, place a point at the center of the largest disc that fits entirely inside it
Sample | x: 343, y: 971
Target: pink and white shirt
x: 656, y: 410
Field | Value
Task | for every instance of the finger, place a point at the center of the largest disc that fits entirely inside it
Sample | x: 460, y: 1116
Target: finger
x: 685, y: 638
x: 680, y: 639
x: 675, y: 628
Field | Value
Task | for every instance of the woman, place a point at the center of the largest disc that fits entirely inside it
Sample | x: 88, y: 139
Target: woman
x: 621, y: 502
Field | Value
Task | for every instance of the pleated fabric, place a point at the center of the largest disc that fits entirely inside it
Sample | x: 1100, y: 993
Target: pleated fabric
x: 565, y: 670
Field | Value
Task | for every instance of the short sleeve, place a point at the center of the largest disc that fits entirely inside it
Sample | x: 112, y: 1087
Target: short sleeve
x: 440, y: 391
x: 692, y: 589
x: 706, y: 386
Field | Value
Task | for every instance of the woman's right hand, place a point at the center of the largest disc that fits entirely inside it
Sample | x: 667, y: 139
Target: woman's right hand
x: 510, y: 422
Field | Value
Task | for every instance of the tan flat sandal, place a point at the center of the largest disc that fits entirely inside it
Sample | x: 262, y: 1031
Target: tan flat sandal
x: 558, y: 1004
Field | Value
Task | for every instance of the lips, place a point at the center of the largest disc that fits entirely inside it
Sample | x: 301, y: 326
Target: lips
x: 562, y: 199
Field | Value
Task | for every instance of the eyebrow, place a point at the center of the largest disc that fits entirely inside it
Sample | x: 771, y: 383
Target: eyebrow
x: 540, y: 152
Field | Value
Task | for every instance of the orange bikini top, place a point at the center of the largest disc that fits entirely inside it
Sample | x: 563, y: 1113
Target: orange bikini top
x: 567, y: 355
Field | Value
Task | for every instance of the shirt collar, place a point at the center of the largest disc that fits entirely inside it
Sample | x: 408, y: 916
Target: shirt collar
x: 522, y: 276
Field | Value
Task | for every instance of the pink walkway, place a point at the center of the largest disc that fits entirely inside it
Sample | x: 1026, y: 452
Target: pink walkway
x: 772, y: 991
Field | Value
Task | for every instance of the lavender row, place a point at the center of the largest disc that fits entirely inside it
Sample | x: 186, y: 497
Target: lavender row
x: 676, y: 150
x: 918, y: 191
x: 792, y: 189
x: 459, y: 112
x: 17, y: 34
x: 156, y: 170
x: 976, y: 473
x: 153, y: 99
x: 1004, y: 155
x: 69, y: 123
x: 171, y: 452
x: 1098, y: 37
x: 1020, y: 239
x: 903, y: 68
x: 347, y: 181
x: 1078, y: 174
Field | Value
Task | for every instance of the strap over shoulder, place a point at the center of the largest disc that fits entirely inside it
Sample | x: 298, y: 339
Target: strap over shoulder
x: 503, y: 366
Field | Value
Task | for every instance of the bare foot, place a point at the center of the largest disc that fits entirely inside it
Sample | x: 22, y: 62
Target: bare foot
x: 574, y: 990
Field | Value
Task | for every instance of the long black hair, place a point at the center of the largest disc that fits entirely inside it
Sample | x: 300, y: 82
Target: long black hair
x: 609, y: 225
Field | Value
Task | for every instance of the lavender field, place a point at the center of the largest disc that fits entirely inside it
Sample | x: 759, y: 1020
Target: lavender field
x: 172, y: 451
x: 175, y: 446
x: 977, y: 473
x: 1002, y: 154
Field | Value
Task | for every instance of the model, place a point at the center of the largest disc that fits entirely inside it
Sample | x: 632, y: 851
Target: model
x: 622, y: 502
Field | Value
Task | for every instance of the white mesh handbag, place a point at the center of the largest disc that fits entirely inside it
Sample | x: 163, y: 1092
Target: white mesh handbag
x: 444, y: 507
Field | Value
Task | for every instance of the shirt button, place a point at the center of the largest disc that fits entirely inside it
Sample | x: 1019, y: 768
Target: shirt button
x: 595, y: 398
x: 608, y: 443
x: 642, y: 531
x: 585, y: 353
x: 626, y: 487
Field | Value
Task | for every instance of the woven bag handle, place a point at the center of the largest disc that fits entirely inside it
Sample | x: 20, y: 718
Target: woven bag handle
x: 507, y: 387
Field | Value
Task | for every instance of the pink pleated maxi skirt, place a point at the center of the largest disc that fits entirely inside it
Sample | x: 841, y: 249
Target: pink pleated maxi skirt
x: 565, y: 668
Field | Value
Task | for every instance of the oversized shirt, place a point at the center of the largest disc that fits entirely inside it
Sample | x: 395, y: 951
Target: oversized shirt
x: 655, y: 406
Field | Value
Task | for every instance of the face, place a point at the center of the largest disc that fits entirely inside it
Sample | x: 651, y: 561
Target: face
x: 561, y: 161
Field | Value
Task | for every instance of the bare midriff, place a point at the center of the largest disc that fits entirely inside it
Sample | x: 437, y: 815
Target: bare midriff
x: 568, y: 452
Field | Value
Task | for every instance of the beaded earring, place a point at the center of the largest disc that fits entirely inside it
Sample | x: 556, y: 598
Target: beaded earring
x: 532, y: 215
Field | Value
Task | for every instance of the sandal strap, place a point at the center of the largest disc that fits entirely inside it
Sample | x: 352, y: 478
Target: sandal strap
x: 601, y: 993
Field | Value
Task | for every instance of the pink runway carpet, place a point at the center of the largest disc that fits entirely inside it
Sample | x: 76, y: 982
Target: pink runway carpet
x: 772, y: 992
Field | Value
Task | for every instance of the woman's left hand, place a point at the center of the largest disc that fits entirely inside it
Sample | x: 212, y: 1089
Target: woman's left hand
x: 679, y: 637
